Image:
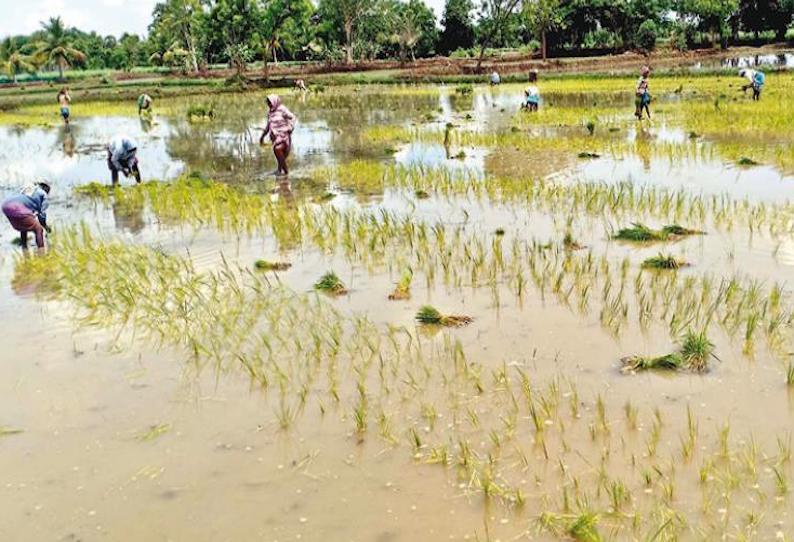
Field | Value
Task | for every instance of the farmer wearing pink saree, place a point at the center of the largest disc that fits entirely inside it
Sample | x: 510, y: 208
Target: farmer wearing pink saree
x: 280, y: 124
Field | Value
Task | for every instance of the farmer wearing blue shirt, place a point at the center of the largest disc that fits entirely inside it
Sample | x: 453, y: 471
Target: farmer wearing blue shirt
x: 756, y: 81
x: 27, y: 212
x: 122, y: 156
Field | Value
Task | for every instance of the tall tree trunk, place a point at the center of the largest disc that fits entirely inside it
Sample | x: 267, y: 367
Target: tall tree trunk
x: 348, y: 41
x: 543, y: 44
x: 191, y: 48
x: 60, y: 70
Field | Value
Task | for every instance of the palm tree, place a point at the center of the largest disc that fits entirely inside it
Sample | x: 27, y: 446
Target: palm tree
x: 56, y: 48
x: 14, y: 58
x: 179, y: 19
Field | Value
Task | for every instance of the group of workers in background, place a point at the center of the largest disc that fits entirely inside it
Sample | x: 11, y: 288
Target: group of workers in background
x: 27, y: 210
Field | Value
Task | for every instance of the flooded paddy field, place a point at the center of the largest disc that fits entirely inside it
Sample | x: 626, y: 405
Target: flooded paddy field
x: 454, y: 321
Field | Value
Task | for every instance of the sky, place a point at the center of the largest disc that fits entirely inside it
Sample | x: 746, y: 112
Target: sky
x: 104, y: 16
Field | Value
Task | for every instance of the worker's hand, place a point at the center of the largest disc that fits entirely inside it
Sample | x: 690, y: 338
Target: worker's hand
x: 48, y: 229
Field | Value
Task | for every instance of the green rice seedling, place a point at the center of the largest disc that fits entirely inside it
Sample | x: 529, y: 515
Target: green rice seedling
x: 584, y: 528
x: 499, y: 232
x: 591, y: 126
x: 429, y: 315
x: 588, y: 154
x: 640, y: 363
x: 199, y: 112
x: 402, y: 290
x: 330, y: 283
x: 638, y: 233
x: 696, y: 351
x: 663, y: 262
x: 5, y: 431
x: 642, y: 234
x: 694, y: 354
x: 570, y: 243
x: 781, y: 482
x: 465, y: 89
x: 746, y: 161
x: 790, y: 374
x: 265, y: 265
x: 421, y: 194
x: 154, y: 432
x: 631, y: 415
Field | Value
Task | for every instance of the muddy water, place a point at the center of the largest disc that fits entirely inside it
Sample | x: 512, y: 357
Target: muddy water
x: 112, y: 433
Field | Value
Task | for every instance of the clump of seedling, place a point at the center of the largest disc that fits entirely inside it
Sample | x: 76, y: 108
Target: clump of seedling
x: 570, y: 243
x: 330, y: 283
x: 402, y: 289
x: 326, y: 196
x: 265, y: 265
x: 746, y: 161
x: 460, y: 156
x: 429, y: 315
x: 421, y: 194
x: 660, y: 261
x: 197, y: 112
x: 588, y: 154
x: 591, y: 126
x: 464, y: 89
x: 694, y: 355
x: 499, y: 232
x: 640, y: 233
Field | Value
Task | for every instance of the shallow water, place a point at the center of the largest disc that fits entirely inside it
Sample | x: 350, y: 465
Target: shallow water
x: 118, y: 427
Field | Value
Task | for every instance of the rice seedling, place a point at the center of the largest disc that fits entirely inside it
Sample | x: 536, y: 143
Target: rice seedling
x: 266, y: 265
x: 402, y: 290
x: 421, y: 194
x: 790, y: 374
x: 464, y: 89
x: 330, y: 283
x: 745, y: 161
x: 642, y: 234
x: 661, y: 261
x: 200, y: 112
x: 5, y: 431
x: 429, y: 315
x: 154, y: 432
x: 588, y: 154
x: 697, y: 351
x: 693, y: 355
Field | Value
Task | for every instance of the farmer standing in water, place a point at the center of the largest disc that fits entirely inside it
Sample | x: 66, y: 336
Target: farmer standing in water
x: 280, y: 124
x: 27, y: 212
x: 122, y: 156
x: 64, y: 100
x: 642, y: 99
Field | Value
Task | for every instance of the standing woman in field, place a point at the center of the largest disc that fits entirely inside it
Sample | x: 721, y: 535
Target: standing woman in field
x: 642, y: 100
x: 280, y: 124
x: 64, y: 100
x: 27, y: 212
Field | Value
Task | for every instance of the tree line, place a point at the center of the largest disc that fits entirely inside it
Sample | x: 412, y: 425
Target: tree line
x: 192, y: 35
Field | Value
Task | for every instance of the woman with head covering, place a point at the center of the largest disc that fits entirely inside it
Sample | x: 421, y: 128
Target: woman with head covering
x: 280, y: 124
x: 27, y: 212
x: 123, y: 157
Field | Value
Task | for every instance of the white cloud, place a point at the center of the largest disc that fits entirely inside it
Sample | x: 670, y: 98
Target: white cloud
x: 103, y: 16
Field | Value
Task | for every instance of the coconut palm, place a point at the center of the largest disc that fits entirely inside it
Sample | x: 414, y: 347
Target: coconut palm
x: 14, y: 58
x: 56, y: 48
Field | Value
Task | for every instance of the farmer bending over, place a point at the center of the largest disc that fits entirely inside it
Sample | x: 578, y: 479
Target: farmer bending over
x: 122, y: 156
x: 756, y: 81
x: 495, y: 79
x: 642, y: 98
x: 27, y: 212
x: 531, y: 98
x: 280, y: 124
x: 144, y: 104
